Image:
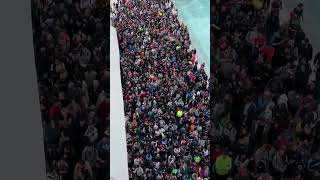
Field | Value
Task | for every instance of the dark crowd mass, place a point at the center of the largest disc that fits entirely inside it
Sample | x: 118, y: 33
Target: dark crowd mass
x: 166, y: 93
x: 70, y: 45
x: 266, y: 92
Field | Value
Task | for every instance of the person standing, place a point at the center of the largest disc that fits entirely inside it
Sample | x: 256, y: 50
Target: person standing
x: 273, y: 25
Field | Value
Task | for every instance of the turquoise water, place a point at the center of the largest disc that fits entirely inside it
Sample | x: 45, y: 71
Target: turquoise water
x: 196, y: 15
x: 311, y: 23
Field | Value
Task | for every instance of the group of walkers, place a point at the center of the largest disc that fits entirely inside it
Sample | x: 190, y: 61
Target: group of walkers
x: 166, y: 93
x: 265, y: 115
x: 70, y: 43
x: 264, y: 121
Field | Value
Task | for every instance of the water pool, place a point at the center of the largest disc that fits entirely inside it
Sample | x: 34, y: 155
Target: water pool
x: 196, y: 15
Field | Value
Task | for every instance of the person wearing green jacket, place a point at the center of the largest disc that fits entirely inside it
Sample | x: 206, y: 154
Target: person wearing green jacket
x: 222, y: 166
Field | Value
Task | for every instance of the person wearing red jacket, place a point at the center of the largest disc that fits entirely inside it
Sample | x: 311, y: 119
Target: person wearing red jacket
x: 103, y: 110
x: 55, y: 111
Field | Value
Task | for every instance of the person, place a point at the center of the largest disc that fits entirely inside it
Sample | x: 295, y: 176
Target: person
x: 273, y: 25
x: 222, y: 166
x: 299, y: 11
x: 241, y: 163
x: 307, y: 49
x: 83, y: 171
x: 279, y: 164
x: 313, y: 164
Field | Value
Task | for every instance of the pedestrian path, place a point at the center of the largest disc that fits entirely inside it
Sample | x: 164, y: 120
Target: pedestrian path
x: 118, y: 144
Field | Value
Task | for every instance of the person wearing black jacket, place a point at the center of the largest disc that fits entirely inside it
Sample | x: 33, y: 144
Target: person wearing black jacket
x: 299, y: 36
x: 302, y: 74
x: 307, y: 50
x: 273, y: 25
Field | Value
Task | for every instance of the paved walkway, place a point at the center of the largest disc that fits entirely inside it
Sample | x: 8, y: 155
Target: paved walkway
x: 118, y: 144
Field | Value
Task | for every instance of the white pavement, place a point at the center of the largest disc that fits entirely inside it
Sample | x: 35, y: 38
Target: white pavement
x: 118, y: 143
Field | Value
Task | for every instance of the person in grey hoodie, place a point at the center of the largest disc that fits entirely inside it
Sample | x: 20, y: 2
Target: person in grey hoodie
x: 90, y: 154
x: 279, y: 164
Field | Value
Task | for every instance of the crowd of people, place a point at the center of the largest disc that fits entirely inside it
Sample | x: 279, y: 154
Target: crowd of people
x: 71, y: 50
x: 265, y: 114
x: 166, y: 93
